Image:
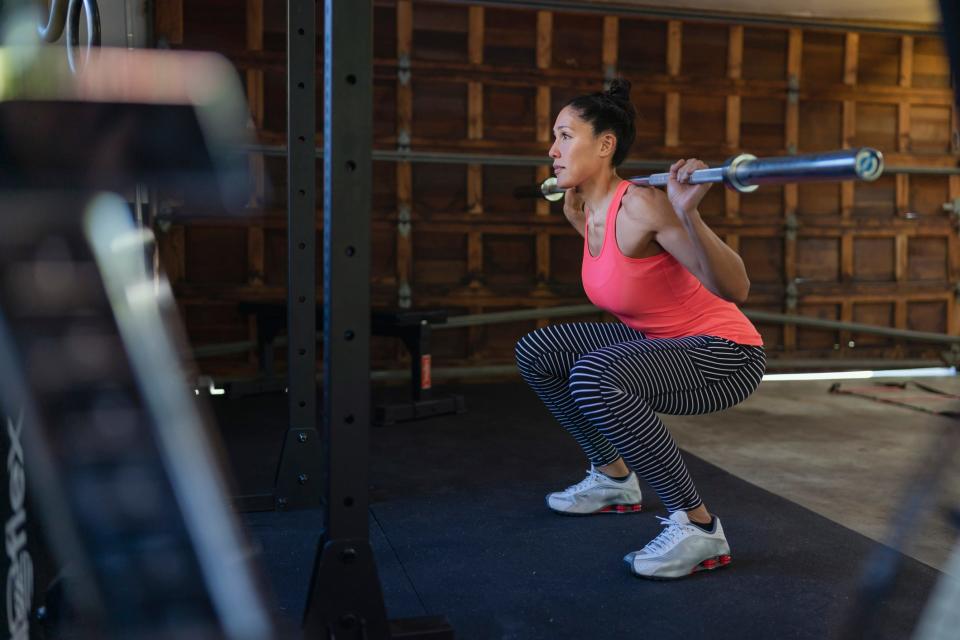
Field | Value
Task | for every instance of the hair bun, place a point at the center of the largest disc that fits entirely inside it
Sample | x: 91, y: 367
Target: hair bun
x: 619, y: 90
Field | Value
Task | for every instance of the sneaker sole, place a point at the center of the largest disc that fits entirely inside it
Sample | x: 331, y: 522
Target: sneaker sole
x: 614, y: 508
x: 710, y: 564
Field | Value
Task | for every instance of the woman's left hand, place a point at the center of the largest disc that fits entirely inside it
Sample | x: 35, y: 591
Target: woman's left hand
x: 685, y: 197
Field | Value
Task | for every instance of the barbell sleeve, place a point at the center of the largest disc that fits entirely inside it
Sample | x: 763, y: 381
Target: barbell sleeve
x: 745, y: 172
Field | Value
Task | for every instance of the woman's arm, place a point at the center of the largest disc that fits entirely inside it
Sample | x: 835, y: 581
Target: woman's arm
x: 719, y: 267
x: 679, y: 229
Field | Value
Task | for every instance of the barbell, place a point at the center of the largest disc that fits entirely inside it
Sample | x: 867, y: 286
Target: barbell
x: 746, y: 172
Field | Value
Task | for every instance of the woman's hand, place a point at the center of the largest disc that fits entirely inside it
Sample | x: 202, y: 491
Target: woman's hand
x: 685, y: 197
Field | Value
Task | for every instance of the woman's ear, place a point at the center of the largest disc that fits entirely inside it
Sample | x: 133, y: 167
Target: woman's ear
x: 608, y: 144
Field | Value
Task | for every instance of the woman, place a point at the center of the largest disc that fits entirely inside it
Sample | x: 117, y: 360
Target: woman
x: 683, y: 346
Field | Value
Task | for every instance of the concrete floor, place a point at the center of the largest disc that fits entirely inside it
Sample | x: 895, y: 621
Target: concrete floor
x: 846, y: 458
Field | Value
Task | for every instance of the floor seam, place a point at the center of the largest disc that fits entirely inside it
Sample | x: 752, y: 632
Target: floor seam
x: 396, y: 555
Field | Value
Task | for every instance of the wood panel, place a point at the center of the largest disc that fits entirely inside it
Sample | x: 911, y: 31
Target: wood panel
x: 818, y: 259
x: 577, y: 41
x: 762, y: 123
x: 765, y: 54
x: 229, y: 33
x: 823, y: 58
x: 702, y: 121
x: 440, y: 32
x: 931, y: 68
x: 642, y: 44
x: 876, y: 126
x: 490, y: 79
x: 930, y: 129
x: 704, y: 50
x: 879, y: 60
x: 510, y: 37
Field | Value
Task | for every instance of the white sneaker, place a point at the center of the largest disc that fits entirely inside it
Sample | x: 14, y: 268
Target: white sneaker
x: 680, y: 550
x: 597, y: 493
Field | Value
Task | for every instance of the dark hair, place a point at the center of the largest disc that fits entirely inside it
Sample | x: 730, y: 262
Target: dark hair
x: 610, y: 110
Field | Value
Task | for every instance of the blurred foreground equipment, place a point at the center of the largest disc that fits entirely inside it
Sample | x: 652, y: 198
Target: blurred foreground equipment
x: 103, y: 432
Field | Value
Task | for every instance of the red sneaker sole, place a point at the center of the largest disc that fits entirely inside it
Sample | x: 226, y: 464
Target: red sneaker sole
x: 614, y: 508
x: 712, y: 563
x: 621, y: 508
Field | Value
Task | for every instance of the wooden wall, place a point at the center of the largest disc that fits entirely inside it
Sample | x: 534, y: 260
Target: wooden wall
x: 452, y: 77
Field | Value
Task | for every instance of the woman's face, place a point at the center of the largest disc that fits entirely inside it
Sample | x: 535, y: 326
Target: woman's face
x: 577, y: 153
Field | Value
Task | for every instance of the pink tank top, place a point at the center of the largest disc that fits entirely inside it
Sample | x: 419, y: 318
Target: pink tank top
x: 657, y: 295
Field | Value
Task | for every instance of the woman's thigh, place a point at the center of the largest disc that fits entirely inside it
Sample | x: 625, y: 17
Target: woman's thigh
x: 677, y: 376
x: 574, y: 339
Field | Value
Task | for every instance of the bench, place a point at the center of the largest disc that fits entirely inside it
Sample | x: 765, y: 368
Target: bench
x: 413, y: 327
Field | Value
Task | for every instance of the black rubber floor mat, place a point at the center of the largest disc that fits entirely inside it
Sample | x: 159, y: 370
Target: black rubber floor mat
x: 460, y: 529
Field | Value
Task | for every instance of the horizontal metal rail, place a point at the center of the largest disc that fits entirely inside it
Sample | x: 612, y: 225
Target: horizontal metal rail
x: 450, y: 157
x: 501, y: 370
x: 773, y: 364
x: 457, y: 322
x: 871, y: 329
x: 759, y: 316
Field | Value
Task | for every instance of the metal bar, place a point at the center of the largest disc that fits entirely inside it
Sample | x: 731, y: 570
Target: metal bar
x: 447, y: 157
x: 457, y: 322
x: 746, y: 172
x: 701, y: 176
x: 845, y: 164
x: 491, y: 159
x: 347, y: 171
x: 345, y: 599
x: 773, y: 364
x: 761, y: 316
x: 578, y: 6
x: 297, y: 460
x: 805, y: 321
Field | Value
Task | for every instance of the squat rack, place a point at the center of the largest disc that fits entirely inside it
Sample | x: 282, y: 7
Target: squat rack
x: 345, y: 599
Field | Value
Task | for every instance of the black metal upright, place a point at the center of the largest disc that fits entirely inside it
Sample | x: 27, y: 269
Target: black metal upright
x: 345, y: 599
x: 297, y: 482
x: 347, y: 141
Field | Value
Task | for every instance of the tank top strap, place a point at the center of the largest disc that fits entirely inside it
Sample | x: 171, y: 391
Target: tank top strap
x: 611, y: 222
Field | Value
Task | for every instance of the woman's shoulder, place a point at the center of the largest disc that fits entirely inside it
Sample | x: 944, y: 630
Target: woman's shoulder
x: 644, y: 204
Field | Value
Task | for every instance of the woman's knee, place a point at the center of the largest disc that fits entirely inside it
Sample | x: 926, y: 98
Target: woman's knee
x: 526, y: 350
x: 531, y: 352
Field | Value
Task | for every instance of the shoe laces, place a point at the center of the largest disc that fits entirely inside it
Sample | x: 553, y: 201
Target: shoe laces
x: 667, y: 538
x: 593, y: 477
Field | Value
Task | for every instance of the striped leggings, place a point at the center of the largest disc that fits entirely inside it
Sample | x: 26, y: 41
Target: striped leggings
x: 605, y: 383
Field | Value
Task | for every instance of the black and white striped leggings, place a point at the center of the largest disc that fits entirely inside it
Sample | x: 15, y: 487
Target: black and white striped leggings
x: 605, y: 383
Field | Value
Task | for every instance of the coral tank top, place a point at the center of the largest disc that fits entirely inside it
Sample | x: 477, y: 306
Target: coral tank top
x: 657, y: 295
